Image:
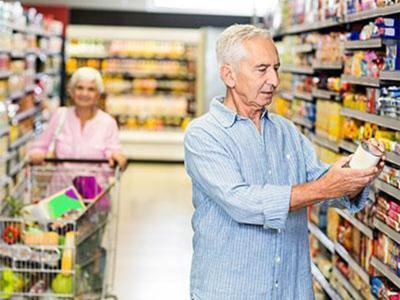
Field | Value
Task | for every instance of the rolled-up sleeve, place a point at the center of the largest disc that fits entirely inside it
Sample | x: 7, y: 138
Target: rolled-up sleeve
x: 316, y: 168
x: 213, y: 169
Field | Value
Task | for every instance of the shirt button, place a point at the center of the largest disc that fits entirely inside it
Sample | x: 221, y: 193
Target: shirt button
x: 279, y: 231
x: 276, y: 284
x: 270, y: 172
x: 278, y: 259
x: 287, y: 156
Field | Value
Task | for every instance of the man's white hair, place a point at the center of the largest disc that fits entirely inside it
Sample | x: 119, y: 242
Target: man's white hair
x: 87, y: 73
x: 230, y: 49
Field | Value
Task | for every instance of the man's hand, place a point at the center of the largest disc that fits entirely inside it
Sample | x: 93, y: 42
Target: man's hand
x: 37, y: 157
x: 118, y: 158
x: 342, y: 181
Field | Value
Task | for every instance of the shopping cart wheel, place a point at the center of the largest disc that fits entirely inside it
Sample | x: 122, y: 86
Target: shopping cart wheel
x: 111, y: 297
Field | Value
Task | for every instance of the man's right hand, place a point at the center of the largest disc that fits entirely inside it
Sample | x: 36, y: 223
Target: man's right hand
x: 37, y: 157
x: 343, y: 181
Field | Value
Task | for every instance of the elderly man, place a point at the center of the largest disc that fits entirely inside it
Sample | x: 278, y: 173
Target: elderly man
x: 253, y: 175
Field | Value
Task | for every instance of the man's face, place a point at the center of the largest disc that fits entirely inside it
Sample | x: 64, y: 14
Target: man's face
x: 257, y: 73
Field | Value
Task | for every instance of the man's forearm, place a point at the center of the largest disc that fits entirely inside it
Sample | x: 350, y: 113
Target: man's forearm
x: 307, y: 194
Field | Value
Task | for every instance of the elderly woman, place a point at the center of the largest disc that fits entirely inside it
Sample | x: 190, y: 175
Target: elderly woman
x: 82, y: 131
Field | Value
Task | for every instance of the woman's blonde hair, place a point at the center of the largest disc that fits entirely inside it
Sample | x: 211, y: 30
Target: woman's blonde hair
x: 87, y: 73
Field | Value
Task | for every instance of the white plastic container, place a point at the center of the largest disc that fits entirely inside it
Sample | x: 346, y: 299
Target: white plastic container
x: 365, y: 157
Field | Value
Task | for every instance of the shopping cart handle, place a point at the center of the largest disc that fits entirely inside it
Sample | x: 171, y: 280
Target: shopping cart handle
x: 76, y: 160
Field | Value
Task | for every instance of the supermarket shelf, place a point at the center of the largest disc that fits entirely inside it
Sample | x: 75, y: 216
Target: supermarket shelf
x: 321, y: 237
x: 393, y: 158
x: 8, y: 156
x: 16, y: 95
x: 373, y: 13
x: 4, y: 131
x: 364, y: 80
x: 320, y: 278
x: 5, y: 74
x: 365, y: 229
x: 390, y: 75
x: 153, y: 145
x: 355, y: 17
x: 347, y: 285
x: 382, y: 227
x: 14, y: 171
x: 328, y: 66
x: 22, y: 140
x: 303, y: 96
x: 385, y: 270
x: 303, y: 122
x: 387, y: 188
x: 4, y: 181
x: 325, y: 94
x: 155, y: 75
x: 305, y: 48
x: 298, y: 69
x: 348, y: 146
x: 310, y: 27
x: 324, y: 142
x: 18, y: 54
x: 339, y: 249
x: 130, y: 57
x: 286, y: 95
x: 378, y: 120
x: 367, y: 44
x: 25, y: 114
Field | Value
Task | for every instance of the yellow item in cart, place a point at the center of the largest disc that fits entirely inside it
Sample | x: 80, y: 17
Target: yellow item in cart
x: 67, y: 257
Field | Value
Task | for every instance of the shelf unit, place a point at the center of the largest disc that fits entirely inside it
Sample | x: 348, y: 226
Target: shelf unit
x: 379, y: 120
x: 325, y: 94
x: 322, y: 237
x: 324, y: 142
x: 385, y: 78
x: 342, y: 252
x: 303, y: 96
x: 347, y: 285
x: 319, y: 277
x: 298, y: 70
x: 388, y: 189
x: 363, y: 44
x: 386, y: 271
x: 365, y: 229
x: 335, y: 66
x: 382, y: 227
x: 153, y: 70
x: 364, y: 81
x: 303, y: 122
x: 286, y: 95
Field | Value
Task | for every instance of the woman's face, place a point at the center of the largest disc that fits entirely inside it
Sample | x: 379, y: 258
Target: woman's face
x: 85, y: 94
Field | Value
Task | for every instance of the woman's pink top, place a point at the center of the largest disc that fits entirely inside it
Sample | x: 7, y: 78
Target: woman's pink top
x: 97, y: 140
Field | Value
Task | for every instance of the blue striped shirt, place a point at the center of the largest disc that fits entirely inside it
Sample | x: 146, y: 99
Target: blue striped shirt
x: 246, y: 244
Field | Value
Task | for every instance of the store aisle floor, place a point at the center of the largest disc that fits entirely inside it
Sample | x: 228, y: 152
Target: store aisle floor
x: 154, y: 242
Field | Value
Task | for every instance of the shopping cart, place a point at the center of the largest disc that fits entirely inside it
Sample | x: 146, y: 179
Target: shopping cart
x: 59, y: 232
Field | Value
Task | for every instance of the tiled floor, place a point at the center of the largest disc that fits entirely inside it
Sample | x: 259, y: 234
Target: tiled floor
x: 154, y: 241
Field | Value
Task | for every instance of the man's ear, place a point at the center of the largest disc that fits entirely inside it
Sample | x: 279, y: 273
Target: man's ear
x: 228, y: 75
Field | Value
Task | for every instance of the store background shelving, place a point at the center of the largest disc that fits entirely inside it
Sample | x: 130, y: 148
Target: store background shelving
x: 150, y: 78
x: 30, y: 85
x: 343, y: 105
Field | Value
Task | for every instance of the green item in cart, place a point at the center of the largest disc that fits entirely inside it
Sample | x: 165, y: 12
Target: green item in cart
x: 62, y: 284
x: 62, y: 203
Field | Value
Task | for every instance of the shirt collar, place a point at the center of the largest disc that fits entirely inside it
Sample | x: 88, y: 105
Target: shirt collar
x: 226, y: 116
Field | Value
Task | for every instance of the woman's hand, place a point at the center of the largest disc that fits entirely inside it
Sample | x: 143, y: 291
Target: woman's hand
x: 118, y: 158
x: 37, y: 157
